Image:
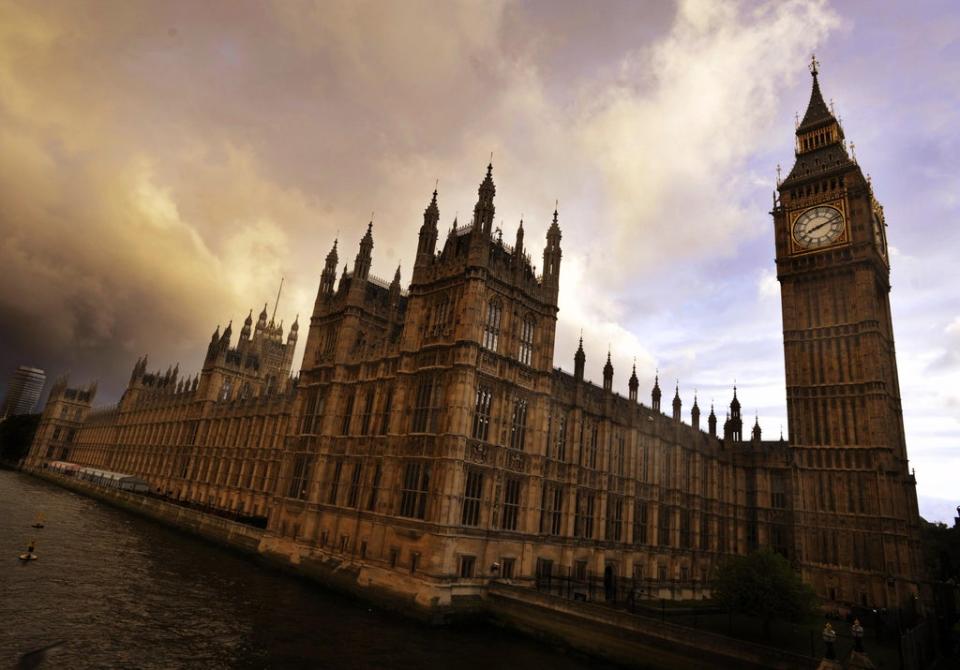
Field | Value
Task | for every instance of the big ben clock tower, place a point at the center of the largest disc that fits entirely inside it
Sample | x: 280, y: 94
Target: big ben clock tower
x: 855, y: 505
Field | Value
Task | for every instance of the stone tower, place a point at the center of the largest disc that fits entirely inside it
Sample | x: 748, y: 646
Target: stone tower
x: 855, y: 507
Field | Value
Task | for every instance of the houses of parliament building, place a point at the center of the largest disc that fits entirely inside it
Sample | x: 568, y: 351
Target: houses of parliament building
x: 429, y: 444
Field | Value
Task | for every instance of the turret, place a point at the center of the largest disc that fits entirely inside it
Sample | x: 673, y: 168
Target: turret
x: 695, y: 413
x: 329, y: 275
x: 755, y: 436
x: 677, y: 404
x: 395, y: 288
x: 484, y: 210
x: 579, y: 361
x: 712, y: 422
x: 736, y: 423
x: 634, y: 384
x: 551, y: 257
x: 294, y: 331
x: 427, y: 245
x: 608, y: 375
x: 361, y: 267
x: 225, y: 338
x: 245, y: 331
x: 655, y: 394
x: 518, y: 244
x: 262, y: 319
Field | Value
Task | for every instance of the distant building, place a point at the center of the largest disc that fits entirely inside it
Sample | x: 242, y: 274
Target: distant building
x: 24, y: 392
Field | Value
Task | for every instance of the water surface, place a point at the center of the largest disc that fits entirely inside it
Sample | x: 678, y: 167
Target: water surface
x: 123, y: 591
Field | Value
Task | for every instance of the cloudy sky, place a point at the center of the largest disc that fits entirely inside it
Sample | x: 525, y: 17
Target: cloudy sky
x: 163, y: 164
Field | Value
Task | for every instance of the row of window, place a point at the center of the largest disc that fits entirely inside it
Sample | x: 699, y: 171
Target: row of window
x: 491, y: 332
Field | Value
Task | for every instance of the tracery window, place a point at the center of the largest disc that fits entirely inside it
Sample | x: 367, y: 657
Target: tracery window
x: 413, y: 491
x: 375, y: 487
x: 551, y: 510
x: 335, y: 482
x: 583, y: 521
x: 423, y: 408
x: 511, y: 504
x: 663, y: 532
x: 300, y: 478
x: 385, y: 410
x: 441, y: 313
x: 614, y: 518
x: 367, y: 413
x: 354, y: 492
x: 518, y: 424
x: 491, y: 328
x: 640, y: 523
x: 348, y: 412
x: 560, y: 441
x: 481, y: 414
x: 526, y: 341
x: 472, y: 496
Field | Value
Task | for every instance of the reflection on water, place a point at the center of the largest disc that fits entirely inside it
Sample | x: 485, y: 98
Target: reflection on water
x: 125, y: 592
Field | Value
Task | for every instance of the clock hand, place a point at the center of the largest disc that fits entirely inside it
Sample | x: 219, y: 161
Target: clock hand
x: 825, y: 223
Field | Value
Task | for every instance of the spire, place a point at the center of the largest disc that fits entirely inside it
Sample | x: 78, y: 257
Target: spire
x: 818, y: 113
x: 427, y: 244
x: 294, y: 329
x: 677, y: 404
x: 395, y: 287
x: 332, y: 254
x: 262, y: 319
x: 695, y: 413
x: 361, y: 268
x: 634, y: 383
x: 518, y: 245
x: 249, y: 320
x: 484, y: 210
x: 608, y: 374
x: 712, y: 421
x: 655, y: 393
x: 552, y: 255
x: 756, y: 428
x: 554, y: 228
x: 735, y: 404
x: 579, y: 361
x: 329, y: 275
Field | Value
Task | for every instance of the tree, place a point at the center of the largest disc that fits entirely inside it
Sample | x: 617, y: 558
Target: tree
x: 16, y: 435
x: 764, y: 585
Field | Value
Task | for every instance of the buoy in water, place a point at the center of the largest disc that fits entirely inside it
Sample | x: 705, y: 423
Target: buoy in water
x: 28, y: 557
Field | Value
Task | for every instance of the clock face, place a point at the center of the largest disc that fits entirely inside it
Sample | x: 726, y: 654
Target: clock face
x: 879, y: 236
x: 818, y: 227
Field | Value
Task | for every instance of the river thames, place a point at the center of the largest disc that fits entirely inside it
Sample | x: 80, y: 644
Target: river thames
x: 125, y: 592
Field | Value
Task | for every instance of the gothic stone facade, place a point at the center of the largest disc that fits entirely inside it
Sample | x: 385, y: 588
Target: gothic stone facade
x: 429, y: 444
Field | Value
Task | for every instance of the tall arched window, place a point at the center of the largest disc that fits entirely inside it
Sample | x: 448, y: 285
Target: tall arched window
x: 526, y: 341
x: 491, y: 329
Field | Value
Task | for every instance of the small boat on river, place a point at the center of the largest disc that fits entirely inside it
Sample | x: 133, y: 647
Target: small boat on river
x: 40, y: 521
